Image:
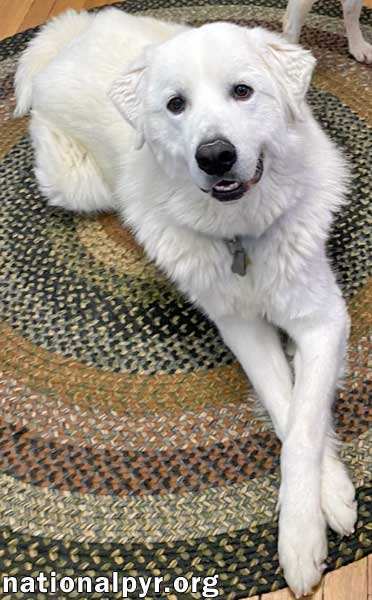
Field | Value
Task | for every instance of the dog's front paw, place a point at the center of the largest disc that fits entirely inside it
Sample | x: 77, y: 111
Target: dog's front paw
x: 362, y: 51
x: 302, y: 549
x: 338, y: 497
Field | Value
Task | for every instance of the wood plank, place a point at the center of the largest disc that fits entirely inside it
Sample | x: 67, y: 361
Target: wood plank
x: 95, y: 3
x: 37, y: 13
x: 11, y: 16
x: 59, y: 6
x: 286, y: 594
x: 369, y: 577
x: 347, y: 583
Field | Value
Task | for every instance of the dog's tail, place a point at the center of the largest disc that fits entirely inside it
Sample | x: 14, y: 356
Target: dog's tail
x: 56, y: 34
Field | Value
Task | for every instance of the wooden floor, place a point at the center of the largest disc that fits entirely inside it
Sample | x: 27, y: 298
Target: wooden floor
x: 348, y: 583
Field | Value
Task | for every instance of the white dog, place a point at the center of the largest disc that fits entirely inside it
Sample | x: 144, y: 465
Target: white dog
x: 230, y: 185
x: 297, y: 11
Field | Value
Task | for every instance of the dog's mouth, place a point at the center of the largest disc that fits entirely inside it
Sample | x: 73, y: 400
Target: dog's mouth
x: 227, y: 190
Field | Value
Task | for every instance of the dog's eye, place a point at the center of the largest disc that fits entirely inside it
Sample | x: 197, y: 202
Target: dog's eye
x: 176, y: 105
x: 242, y: 91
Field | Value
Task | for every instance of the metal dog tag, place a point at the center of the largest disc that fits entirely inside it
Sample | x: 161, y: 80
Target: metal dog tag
x: 240, y: 258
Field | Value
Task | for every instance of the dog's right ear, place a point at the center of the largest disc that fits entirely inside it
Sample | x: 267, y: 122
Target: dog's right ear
x: 292, y: 67
x: 126, y: 93
x: 289, y: 65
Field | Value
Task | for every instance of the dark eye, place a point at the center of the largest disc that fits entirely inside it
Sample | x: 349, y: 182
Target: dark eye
x: 176, y: 105
x: 242, y: 91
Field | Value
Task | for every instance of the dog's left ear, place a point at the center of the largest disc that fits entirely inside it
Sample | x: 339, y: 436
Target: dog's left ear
x: 127, y: 93
x: 292, y: 67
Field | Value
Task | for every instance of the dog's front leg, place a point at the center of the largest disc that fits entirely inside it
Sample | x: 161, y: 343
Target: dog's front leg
x: 321, y: 344
x: 257, y: 346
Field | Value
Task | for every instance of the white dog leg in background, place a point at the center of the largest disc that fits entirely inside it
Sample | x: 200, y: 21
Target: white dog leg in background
x: 358, y: 47
x: 297, y: 11
x: 294, y: 18
x: 257, y: 346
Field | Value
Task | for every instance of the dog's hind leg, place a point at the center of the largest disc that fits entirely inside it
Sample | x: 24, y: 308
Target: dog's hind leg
x: 294, y: 18
x: 358, y: 47
x: 67, y: 174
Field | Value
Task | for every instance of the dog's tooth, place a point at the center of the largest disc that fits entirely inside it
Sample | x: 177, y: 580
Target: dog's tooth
x: 229, y: 187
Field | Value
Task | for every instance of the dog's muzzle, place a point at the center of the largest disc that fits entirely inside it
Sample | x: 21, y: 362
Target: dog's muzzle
x: 226, y: 189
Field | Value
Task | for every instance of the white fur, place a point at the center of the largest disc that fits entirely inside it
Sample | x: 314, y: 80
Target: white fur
x: 297, y: 11
x: 85, y: 160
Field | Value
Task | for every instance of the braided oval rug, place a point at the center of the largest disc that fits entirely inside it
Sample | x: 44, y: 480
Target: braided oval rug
x: 129, y: 439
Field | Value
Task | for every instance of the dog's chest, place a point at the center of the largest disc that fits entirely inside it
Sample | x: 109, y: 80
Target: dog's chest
x: 235, y: 280
x: 243, y: 278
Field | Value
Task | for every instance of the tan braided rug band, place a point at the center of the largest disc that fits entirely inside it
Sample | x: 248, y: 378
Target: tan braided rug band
x: 129, y: 440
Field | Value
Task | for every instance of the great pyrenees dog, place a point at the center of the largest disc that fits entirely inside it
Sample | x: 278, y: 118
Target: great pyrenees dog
x: 202, y: 141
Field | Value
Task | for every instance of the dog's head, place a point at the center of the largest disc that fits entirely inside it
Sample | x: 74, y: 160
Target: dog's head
x: 211, y: 101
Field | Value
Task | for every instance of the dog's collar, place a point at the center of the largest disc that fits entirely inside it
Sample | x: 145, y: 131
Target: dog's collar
x: 240, y: 260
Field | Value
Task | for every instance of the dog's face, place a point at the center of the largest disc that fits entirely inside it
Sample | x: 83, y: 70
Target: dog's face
x: 213, y: 101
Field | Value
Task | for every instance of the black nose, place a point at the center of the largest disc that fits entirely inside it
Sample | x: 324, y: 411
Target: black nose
x: 216, y: 158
